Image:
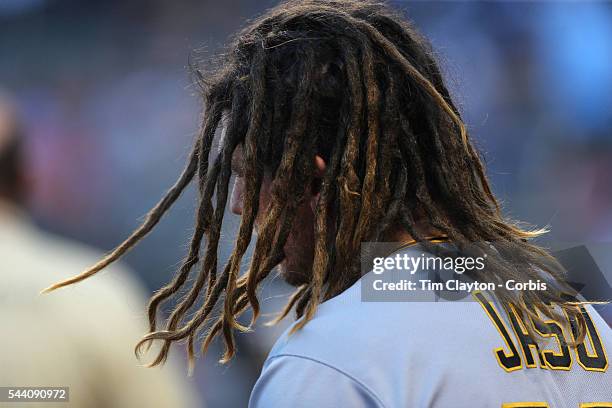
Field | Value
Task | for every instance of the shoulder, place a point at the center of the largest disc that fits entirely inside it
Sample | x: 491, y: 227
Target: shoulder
x: 347, y: 326
x: 367, y: 346
x: 300, y: 381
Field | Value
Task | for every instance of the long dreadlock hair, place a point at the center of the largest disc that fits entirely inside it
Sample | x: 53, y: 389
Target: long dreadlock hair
x: 353, y: 82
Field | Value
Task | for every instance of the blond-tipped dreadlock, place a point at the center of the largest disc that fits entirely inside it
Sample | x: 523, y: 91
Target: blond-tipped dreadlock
x: 354, y: 83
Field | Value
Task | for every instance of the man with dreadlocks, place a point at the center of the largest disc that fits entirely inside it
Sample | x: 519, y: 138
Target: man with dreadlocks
x: 338, y: 130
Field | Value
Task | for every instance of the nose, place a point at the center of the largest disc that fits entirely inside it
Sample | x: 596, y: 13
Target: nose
x: 236, y: 198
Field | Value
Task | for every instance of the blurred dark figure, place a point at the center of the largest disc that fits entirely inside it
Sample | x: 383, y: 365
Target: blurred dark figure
x: 12, y: 182
x: 46, y: 342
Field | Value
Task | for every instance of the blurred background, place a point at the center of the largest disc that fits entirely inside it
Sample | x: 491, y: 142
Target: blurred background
x: 109, y: 113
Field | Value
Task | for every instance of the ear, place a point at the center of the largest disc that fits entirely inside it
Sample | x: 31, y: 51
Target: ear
x: 319, y: 171
x: 320, y: 166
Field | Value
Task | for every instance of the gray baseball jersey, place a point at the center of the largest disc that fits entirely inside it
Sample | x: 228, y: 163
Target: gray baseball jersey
x: 433, y: 354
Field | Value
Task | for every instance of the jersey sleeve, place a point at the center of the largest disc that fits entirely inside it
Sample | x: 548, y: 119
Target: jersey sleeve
x: 296, y: 381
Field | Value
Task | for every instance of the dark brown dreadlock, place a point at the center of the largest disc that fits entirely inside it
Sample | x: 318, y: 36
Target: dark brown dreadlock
x: 354, y: 83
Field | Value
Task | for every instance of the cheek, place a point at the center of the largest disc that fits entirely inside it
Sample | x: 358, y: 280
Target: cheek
x: 264, y: 196
x: 237, y: 196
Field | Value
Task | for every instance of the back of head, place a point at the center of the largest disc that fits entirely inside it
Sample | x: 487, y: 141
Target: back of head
x: 353, y: 82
